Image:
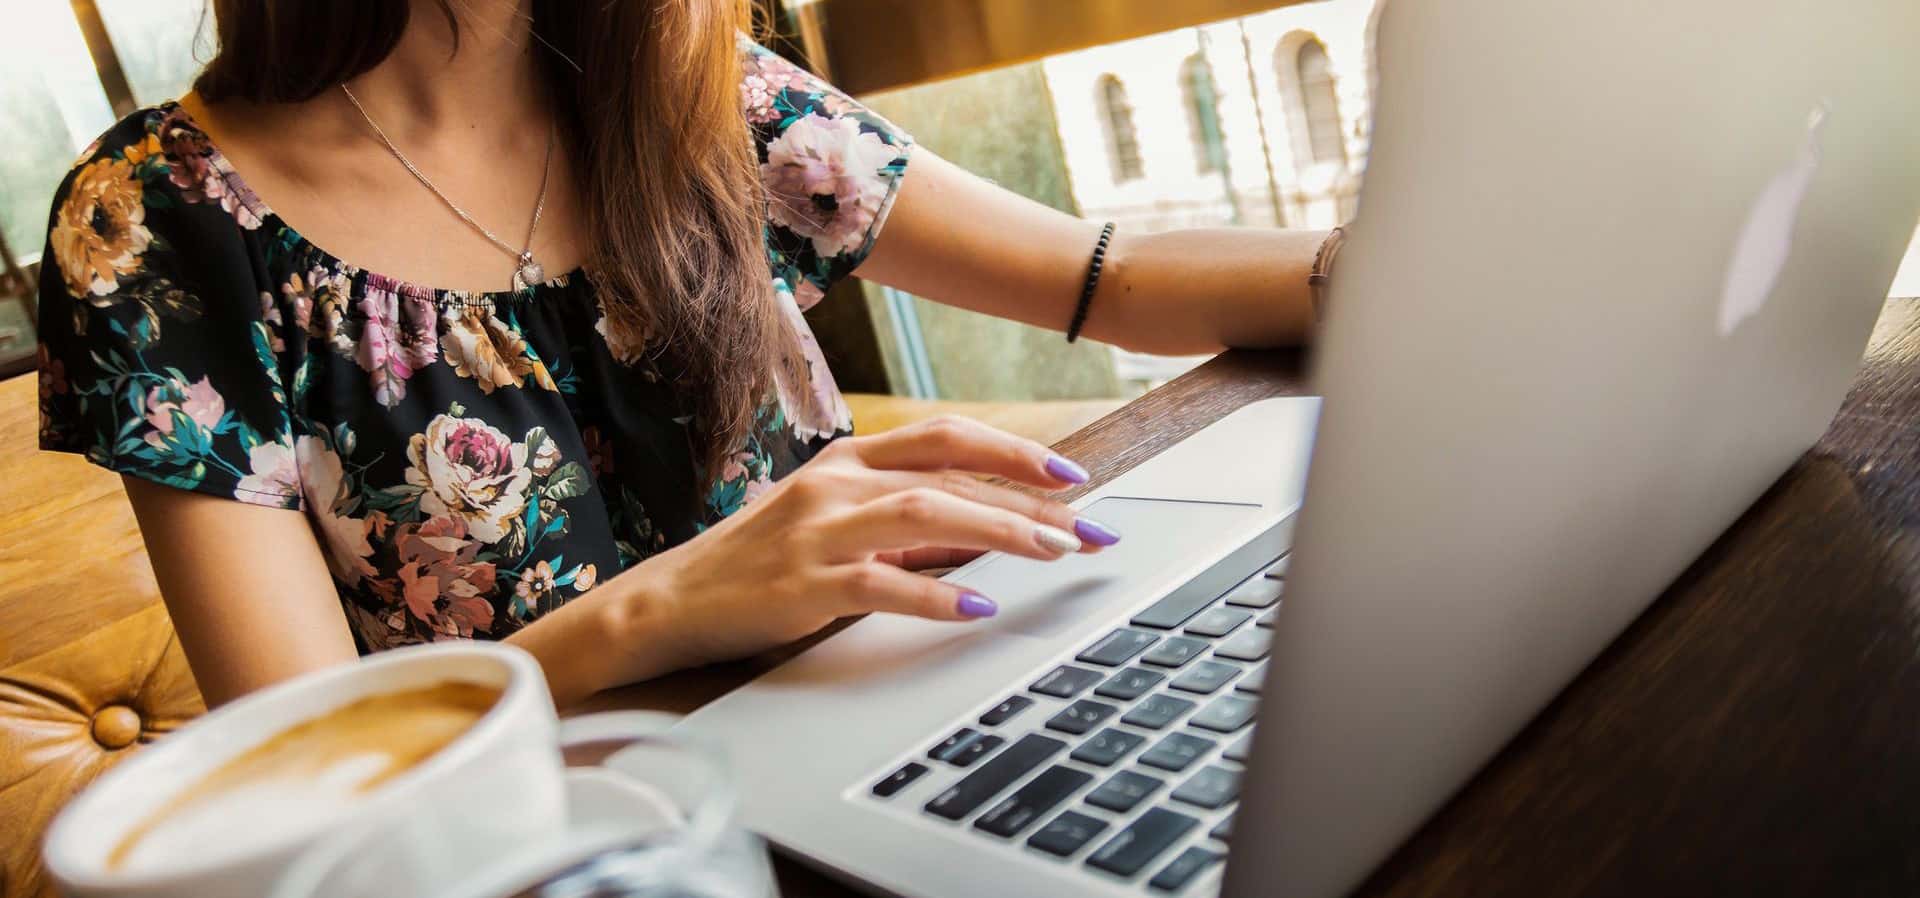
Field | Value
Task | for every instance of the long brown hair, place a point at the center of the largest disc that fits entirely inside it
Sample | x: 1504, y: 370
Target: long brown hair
x: 665, y: 167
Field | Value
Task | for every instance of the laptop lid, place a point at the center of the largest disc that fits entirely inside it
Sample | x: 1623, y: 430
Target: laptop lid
x: 1613, y: 271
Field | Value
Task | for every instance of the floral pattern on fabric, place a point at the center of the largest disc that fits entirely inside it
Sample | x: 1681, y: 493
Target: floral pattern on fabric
x: 478, y: 344
x: 467, y: 461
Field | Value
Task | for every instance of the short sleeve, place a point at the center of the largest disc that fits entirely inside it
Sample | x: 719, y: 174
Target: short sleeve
x: 156, y: 357
x: 830, y: 167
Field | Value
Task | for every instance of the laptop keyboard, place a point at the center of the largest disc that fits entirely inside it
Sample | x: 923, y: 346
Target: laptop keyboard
x: 1135, y: 746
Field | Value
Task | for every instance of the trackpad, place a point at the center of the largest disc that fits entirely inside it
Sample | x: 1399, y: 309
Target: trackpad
x: 1044, y: 598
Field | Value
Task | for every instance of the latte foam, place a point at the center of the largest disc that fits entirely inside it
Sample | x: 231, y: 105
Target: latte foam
x: 308, y: 772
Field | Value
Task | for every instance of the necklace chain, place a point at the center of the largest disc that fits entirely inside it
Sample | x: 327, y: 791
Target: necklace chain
x: 528, y: 272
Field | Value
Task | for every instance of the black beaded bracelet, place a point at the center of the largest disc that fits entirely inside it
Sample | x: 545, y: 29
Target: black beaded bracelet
x: 1093, y: 280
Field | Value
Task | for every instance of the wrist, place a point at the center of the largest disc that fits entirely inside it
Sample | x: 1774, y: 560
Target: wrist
x: 1322, y: 270
x: 616, y: 634
x: 640, y: 623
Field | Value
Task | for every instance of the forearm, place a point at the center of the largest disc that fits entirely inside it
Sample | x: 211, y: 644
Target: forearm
x: 1195, y: 291
x: 619, y: 633
x: 956, y: 239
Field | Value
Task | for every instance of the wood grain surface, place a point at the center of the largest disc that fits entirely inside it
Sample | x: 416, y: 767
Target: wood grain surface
x: 1755, y: 732
x: 67, y: 526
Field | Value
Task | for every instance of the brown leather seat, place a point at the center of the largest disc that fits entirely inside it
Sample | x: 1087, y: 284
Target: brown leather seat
x: 89, y: 665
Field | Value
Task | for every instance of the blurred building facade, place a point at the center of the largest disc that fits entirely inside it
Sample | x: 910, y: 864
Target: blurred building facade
x: 1261, y: 120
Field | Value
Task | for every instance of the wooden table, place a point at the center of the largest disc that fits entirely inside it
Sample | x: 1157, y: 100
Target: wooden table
x: 1755, y: 732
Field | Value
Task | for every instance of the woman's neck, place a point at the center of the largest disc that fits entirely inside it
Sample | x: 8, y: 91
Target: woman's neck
x: 477, y: 121
x: 437, y: 84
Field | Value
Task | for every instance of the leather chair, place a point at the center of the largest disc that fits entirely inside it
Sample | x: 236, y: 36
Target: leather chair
x: 90, y: 668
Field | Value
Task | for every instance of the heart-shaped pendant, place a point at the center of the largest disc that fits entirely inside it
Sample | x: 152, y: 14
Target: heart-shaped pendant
x: 528, y: 274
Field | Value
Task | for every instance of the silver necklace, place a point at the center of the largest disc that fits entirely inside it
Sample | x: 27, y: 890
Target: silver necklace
x: 528, y: 272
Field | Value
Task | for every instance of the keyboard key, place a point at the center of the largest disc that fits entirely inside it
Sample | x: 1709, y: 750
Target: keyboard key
x: 1248, y: 645
x: 1006, y: 710
x: 1137, y: 845
x: 1065, y: 681
x: 1200, y: 592
x: 1266, y: 620
x: 1081, y: 717
x: 1107, y: 746
x: 1258, y: 592
x: 1174, y: 610
x: 1205, y: 677
x: 1064, y: 835
x: 1123, y: 791
x: 1226, y: 713
x: 1117, y: 648
x: 1224, y: 829
x: 1240, y: 748
x: 1130, y: 684
x: 1031, y: 801
x: 1177, y: 751
x: 1278, y: 570
x: 899, y: 779
x: 1251, y: 683
x: 1218, y: 621
x: 952, y: 744
x: 1157, y: 711
x: 978, y: 748
x: 1191, y: 862
x: 1211, y: 788
x: 976, y: 788
x: 1175, y: 651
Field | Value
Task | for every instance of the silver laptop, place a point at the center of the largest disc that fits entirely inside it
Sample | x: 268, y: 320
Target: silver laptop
x: 1613, y: 271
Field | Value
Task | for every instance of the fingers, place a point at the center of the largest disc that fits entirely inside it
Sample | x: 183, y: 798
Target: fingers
x: 831, y: 487
x: 924, y: 517
x: 930, y: 558
x: 961, y: 444
x: 1093, y: 534
x: 875, y: 586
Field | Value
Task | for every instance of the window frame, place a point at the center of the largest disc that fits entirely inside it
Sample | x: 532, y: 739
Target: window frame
x: 1123, y: 137
x: 1197, y: 84
x: 1319, y: 103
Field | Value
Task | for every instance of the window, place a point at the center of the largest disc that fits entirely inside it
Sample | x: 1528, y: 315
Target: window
x: 1319, y: 104
x: 51, y: 106
x: 1203, y: 114
x: 160, y: 44
x: 1123, y: 143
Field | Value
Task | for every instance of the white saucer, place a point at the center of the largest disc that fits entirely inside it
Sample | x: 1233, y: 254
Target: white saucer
x: 605, y: 809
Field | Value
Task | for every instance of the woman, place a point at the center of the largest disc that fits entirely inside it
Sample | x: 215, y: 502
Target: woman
x: 604, y: 433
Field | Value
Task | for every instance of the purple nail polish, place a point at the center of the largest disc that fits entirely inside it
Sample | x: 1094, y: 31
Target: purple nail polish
x: 1094, y: 532
x: 975, y: 605
x: 1064, y: 469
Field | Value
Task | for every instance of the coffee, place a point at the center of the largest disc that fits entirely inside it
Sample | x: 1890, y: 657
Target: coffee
x: 305, y: 772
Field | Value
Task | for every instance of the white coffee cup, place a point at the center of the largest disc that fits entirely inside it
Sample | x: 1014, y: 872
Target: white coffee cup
x: 479, y: 796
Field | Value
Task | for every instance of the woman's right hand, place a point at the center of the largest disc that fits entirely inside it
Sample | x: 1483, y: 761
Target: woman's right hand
x: 838, y: 537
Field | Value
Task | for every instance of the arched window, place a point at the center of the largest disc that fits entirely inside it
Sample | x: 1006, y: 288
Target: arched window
x: 1203, y: 114
x: 1319, y: 104
x: 1123, y: 143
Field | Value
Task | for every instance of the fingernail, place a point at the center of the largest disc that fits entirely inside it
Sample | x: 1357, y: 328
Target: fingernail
x: 975, y: 605
x: 1063, y: 468
x: 1095, y: 532
x: 1056, y: 539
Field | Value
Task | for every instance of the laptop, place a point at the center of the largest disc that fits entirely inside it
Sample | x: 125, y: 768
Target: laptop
x: 1613, y: 271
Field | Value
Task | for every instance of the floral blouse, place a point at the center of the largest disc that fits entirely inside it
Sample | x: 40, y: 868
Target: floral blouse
x: 468, y: 461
